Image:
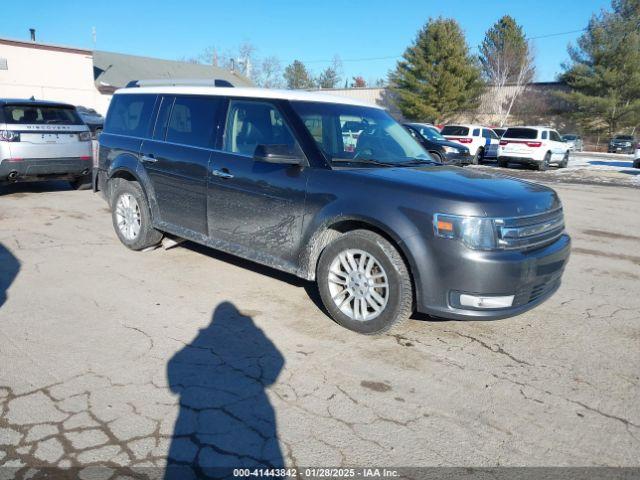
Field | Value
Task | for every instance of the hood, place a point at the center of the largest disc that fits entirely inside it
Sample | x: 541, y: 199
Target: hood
x: 447, y: 143
x: 472, y: 191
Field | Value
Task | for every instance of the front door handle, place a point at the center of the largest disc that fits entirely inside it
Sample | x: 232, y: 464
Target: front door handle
x: 224, y: 173
x: 148, y: 158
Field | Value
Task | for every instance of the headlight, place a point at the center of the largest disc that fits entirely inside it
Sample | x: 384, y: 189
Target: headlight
x: 84, y: 136
x: 477, y: 233
x: 451, y: 149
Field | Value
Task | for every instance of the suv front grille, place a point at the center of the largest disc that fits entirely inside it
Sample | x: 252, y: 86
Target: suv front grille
x: 532, y: 231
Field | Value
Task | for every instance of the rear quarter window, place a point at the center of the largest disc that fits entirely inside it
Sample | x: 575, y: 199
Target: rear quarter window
x: 130, y: 114
x: 524, y: 133
x: 455, y: 130
x: 193, y: 120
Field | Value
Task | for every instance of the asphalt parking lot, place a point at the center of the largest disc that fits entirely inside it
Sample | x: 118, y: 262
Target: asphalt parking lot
x: 110, y: 357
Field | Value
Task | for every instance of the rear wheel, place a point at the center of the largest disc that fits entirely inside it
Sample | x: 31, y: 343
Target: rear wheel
x: 81, y: 183
x: 565, y: 161
x: 131, y: 216
x: 503, y: 163
x: 478, y: 157
x: 544, y: 164
x: 364, y: 283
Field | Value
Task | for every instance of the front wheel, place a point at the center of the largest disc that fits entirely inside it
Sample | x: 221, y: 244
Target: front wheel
x: 131, y: 216
x: 364, y: 283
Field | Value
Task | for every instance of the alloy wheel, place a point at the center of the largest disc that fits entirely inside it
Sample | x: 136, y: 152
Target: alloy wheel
x: 128, y: 216
x: 358, y: 284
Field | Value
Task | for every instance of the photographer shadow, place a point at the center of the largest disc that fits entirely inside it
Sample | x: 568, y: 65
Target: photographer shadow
x: 226, y: 420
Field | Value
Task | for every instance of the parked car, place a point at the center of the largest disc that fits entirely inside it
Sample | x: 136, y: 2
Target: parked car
x: 622, y: 144
x: 382, y: 230
x: 537, y: 146
x: 439, y: 147
x: 93, y: 119
x: 481, y: 141
x: 43, y: 140
x: 573, y: 141
x: 499, y: 131
x: 636, y: 162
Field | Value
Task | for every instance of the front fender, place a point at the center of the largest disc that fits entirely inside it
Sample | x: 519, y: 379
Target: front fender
x: 396, y: 224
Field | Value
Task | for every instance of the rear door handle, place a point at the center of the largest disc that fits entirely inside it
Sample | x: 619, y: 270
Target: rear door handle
x: 148, y: 158
x: 224, y: 173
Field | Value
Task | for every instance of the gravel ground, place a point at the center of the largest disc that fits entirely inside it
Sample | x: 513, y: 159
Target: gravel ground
x: 119, y: 359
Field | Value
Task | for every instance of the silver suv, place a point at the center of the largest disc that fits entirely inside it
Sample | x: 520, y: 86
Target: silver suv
x: 42, y: 140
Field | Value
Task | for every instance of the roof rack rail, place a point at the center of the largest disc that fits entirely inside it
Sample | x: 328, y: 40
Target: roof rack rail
x: 175, y: 82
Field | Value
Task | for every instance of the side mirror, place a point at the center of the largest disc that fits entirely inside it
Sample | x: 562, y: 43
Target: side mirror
x: 283, y: 154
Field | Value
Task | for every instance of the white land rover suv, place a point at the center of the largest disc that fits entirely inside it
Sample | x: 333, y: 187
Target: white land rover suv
x: 539, y: 146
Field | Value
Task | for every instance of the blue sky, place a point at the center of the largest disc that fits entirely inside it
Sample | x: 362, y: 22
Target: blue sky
x: 310, y: 31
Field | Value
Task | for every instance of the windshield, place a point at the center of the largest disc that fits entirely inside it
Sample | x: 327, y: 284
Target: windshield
x: 430, y: 133
x: 349, y: 133
x: 624, y: 137
x: 41, y: 115
x: 455, y: 130
x: 569, y: 137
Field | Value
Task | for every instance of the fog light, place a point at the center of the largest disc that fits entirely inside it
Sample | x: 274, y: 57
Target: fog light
x: 485, y: 302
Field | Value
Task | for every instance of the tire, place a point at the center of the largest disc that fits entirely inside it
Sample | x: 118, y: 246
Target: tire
x: 544, y: 164
x: 437, y: 157
x: 565, y: 161
x: 477, y: 158
x: 503, y: 163
x: 127, y: 215
x: 81, y: 183
x: 636, y: 163
x: 332, y: 277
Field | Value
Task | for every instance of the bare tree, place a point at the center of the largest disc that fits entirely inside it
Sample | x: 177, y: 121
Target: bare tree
x: 271, y: 73
x: 508, y: 64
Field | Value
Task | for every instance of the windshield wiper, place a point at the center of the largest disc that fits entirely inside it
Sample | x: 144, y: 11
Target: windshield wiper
x: 362, y: 160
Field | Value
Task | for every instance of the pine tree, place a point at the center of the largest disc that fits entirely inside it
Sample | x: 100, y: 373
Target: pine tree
x: 604, y: 72
x: 437, y: 77
x: 297, y: 76
x: 507, y: 64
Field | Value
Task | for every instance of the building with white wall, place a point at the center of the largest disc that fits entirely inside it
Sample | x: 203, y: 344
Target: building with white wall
x: 84, y: 77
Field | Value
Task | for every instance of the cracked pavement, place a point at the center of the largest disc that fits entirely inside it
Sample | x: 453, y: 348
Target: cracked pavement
x: 123, y: 360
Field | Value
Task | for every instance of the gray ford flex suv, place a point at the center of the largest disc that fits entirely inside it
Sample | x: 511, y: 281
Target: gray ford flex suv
x: 42, y: 140
x: 382, y: 228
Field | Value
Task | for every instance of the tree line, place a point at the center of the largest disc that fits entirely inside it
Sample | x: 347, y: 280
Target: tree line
x: 438, y: 77
x: 268, y: 72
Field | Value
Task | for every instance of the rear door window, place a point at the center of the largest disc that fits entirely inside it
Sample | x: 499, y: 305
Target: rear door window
x: 130, y: 114
x: 41, y: 115
x: 523, y: 133
x: 193, y: 121
x: 453, y: 130
x: 253, y: 123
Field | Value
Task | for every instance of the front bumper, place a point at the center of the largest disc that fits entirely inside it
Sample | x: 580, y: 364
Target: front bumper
x: 37, y: 168
x: 530, y: 276
x: 458, y: 159
x: 621, y: 149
